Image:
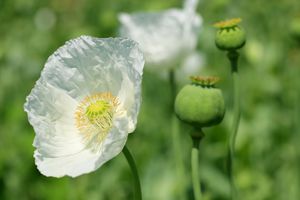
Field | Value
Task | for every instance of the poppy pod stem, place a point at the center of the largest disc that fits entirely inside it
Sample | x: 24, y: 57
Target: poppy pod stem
x: 230, y: 37
x: 233, y: 58
x: 199, y: 104
x: 195, y: 165
x: 136, y: 179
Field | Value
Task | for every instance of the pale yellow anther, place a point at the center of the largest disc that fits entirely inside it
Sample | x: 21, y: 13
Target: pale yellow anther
x: 94, y: 116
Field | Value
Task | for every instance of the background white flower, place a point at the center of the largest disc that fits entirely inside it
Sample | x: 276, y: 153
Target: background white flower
x: 191, y: 65
x: 85, y: 104
x: 165, y: 37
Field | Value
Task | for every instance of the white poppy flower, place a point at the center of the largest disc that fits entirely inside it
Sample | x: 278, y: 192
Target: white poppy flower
x: 165, y: 37
x: 85, y: 104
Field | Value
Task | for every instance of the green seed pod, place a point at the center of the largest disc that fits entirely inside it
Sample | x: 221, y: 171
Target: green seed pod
x: 200, y: 103
x: 230, y: 36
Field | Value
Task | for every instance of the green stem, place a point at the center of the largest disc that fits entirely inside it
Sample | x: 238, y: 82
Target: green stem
x: 296, y: 101
x: 137, y: 184
x: 177, y: 150
x: 178, y: 159
x: 233, y: 57
x: 297, y: 127
x: 195, y: 168
x: 173, y: 86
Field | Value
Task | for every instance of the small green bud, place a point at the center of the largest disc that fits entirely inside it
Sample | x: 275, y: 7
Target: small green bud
x: 230, y: 36
x: 200, y: 103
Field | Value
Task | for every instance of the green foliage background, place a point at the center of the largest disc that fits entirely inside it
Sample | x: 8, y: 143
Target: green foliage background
x: 268, y: 164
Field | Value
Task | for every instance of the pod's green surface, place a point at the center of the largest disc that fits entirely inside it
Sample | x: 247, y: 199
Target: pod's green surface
x: 230, y: 38
x: 200, y: 106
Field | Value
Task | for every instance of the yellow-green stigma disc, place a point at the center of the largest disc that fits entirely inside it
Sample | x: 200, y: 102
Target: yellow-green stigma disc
x: 94, y: 118
x: 96, y: 109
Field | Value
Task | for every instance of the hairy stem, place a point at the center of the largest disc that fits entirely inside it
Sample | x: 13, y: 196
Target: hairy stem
x: 137, y: 184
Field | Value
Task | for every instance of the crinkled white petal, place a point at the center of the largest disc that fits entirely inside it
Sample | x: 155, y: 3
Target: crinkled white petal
x: 86, y: 65
x: 83, y: 67
x: 164, y: 37
x: 51, y: 113
x: 84, y: 161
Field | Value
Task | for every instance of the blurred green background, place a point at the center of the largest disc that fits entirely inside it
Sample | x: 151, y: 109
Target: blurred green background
x: 268, y: 153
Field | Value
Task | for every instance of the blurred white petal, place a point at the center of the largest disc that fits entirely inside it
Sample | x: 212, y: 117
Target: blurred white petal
x: 165, y: 37
x: 192, y: 65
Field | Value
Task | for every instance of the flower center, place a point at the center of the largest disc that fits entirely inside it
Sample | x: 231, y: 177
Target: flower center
x: 94, y: 117
x: 96, y: 109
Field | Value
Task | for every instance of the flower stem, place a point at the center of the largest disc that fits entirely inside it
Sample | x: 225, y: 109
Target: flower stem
x: 176, y: 140
x: 233, y: 57
x: 195, y: 168
x: 179, y: 162
x: 137, y: 184
x: 297, y: 126
x: 173, y: 86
